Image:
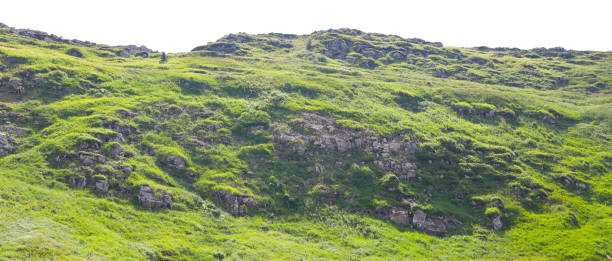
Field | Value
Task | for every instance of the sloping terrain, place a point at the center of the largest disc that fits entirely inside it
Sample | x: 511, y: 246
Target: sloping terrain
x: 335, y: 145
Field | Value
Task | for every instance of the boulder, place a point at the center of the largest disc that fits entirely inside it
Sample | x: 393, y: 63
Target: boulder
x: 174, y: 161
x: 154, y: 198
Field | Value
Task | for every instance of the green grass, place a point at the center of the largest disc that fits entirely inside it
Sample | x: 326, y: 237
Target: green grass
x: 545, y: 152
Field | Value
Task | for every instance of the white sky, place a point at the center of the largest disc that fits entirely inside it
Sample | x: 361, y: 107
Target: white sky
x: 180, y: 25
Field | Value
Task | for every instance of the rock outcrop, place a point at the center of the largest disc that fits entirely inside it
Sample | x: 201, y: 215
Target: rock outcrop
x: 433, y: 224
x: 397, y: 215
x: 236, y: 204
x: 7, y: 145
x: 102, y: 185
x: 318, y: 134
x: 154, y: 198
x: 77, y: 182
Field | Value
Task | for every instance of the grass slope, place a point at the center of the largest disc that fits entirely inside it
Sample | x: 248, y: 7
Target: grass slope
x: 520, y: 134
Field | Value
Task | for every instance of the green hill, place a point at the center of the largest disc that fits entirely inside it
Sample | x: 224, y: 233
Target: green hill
x: 335, y: 145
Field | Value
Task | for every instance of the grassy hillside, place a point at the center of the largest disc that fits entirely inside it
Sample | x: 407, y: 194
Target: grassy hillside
x: 335, y: 145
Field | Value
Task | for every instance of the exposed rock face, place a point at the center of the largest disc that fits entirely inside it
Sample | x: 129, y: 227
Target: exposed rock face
x: 88, y: 158
x: 319, y: 134
x: 336, y: 48
x: 14, y: 130
x: 78, y: 182
x: 236, y: 204
x: 7, y: 145
x: 174, y: 161
x: 395, y: 214
x: 102, y: 185
x: 117, y: 151
x: 150, y: 198
x: 434, y: 224
x: 89, y: 145
x: 497, y: 223
x: 124, y: 129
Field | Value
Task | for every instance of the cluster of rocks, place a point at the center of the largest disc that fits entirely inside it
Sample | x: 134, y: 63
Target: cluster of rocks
x: 419, y: 219
x: 154, y: 198
x: 318, y: 134
x: 96, y: 177
x: 234, y: 203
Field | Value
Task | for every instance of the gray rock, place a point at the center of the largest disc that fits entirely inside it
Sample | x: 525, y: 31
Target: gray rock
x: 89, y: 158
x: 497, y: 223
x: 150, y: 198
x: 336, y: 48
x: 7, y: 145
x: 491, y: 113
x: 89, y: 145
x: 174, y: 161
x: 434, y: 224
x: 236, y: 204
x: 397, y: 215
x: 102, y: 185
x: 14, y: 130
x: 124, y: 129
x: 78, y: 182
x: 125, y: 168
x: 117, y: 151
